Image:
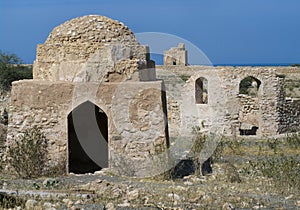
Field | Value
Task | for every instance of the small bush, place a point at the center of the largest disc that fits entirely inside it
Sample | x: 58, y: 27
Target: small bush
x: 282, y: 76
x: 11, y: 201
x: 28, y: 155
x: 233, y: 144
x: 232, y: 173
x: 293, y: 140
x: 273, y: 144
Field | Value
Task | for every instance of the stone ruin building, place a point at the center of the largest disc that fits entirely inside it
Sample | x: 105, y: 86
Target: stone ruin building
x: 95, y: 90
x: 176, y: 56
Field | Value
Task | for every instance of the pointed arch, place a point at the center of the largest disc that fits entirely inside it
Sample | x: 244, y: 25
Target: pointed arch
x: 87, y: 139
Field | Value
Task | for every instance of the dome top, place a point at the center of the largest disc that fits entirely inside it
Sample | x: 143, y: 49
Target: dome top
x: 91, y: 29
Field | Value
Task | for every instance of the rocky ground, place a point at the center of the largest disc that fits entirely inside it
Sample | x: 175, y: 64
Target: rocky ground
x: 235, y: 183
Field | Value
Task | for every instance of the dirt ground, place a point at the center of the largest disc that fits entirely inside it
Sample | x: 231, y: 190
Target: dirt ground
x: 235, y: 183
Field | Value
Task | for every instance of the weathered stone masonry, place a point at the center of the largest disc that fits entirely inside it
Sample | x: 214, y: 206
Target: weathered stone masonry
x: 289, y: 111
x: 96, y: 61
x: 227, y: 110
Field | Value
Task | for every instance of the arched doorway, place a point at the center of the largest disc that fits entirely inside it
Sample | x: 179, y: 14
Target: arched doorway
x: 87, y: 139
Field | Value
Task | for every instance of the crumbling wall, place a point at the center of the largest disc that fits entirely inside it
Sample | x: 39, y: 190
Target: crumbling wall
x: 226, y: 109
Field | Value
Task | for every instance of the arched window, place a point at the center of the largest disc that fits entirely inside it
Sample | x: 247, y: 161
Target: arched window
x: 201, y: 91
x: 249, y: 86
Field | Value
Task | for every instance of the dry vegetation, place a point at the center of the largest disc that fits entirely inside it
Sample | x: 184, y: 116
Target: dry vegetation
x: 247, y: 173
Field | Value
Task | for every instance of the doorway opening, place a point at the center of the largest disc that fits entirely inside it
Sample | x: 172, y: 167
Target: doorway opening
x: 87, y: 139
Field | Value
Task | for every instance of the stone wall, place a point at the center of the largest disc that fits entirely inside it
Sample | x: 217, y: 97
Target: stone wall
x: 136, y: 119
x: 290, y: 116
x: 227, y: 110
x: 249, y: 110
x: 76, y: 63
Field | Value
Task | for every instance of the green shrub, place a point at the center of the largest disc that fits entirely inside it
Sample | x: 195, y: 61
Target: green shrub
x: 11, y: 70
x: 293, y: 140
x: 232, y: 174
x: 28, y: 155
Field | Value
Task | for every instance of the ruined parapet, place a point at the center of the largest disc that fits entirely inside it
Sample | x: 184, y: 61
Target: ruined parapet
x: 176, y: 56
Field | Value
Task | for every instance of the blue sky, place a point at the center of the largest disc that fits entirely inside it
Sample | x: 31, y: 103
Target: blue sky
x: 227, y: 31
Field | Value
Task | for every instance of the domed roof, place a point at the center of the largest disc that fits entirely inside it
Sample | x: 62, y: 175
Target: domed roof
x: 91, y: 29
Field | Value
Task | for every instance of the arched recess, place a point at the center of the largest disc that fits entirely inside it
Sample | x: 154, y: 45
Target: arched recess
x: 87, y: 139
x: 249, y: 109
x: 249, y: 86
x: 201, y: 91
